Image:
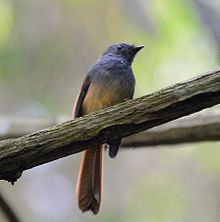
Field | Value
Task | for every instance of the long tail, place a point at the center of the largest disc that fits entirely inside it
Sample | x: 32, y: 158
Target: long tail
x: 89, y: 185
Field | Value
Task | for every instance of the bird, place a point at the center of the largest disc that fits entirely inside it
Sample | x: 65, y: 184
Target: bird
x: 108, y: 82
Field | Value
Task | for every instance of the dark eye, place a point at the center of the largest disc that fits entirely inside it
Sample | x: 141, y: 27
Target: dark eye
x: 119, y: 47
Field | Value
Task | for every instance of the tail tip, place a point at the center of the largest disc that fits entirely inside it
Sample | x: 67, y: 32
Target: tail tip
x: 93, y: 209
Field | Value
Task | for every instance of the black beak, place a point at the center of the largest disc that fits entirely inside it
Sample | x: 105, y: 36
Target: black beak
x: 136, y: 49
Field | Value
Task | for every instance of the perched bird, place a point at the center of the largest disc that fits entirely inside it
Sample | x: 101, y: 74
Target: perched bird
x: 109, y: 81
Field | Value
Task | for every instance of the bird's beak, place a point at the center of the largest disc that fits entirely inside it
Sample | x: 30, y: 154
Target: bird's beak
x: 138, y: 48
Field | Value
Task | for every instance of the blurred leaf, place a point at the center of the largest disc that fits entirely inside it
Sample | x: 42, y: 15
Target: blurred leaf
x: 169, y: 57
x: 6, y: 20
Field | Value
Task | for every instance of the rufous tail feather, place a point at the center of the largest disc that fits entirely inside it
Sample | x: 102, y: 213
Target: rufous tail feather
x: 89, y: 184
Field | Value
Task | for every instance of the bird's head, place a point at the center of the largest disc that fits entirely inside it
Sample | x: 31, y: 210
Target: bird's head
x: 124, y: 51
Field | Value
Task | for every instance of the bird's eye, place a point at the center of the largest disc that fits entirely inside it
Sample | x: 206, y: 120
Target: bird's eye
x: 119, y: 47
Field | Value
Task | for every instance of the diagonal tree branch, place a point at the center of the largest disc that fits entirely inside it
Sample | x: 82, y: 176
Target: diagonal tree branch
x: 111, y: 123
x: 198, y: 127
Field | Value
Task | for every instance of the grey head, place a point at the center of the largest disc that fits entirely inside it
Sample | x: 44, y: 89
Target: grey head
x: 123, y: 51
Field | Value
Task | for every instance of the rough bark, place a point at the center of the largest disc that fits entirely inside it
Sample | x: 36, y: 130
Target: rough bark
x: 198, y: 127
x: 117, y: 121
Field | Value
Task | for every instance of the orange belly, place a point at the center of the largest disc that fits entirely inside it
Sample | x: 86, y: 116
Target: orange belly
x: 97, y: 98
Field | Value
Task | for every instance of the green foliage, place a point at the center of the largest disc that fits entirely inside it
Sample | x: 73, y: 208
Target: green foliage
x: 6, y: 24
x: 177, y: 50
x: 6, y: 20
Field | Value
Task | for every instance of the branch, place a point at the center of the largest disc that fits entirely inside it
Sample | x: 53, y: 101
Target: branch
x: 7, y: 210
x: 13, y: 127
x: 113, y: 122
x: 197, y: 127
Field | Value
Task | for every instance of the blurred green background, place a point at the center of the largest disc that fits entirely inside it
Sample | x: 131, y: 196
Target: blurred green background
x: 46, y: 48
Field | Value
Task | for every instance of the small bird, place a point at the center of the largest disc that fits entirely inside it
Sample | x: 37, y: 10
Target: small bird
x: 109, y: 81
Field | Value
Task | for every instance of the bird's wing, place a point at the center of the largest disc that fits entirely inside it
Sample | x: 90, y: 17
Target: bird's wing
x: 77, y: 109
